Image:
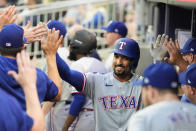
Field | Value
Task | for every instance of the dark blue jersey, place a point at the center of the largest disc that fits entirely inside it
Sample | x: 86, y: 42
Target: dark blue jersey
x: 47, y: 90
x: 13, y: 117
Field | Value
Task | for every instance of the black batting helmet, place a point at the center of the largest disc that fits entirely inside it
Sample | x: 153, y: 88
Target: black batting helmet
x: 83, y: 42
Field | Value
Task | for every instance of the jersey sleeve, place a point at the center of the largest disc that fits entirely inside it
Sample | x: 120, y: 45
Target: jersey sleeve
x: 52, y: 89
x: 89, y: 84
x: 77, y: 67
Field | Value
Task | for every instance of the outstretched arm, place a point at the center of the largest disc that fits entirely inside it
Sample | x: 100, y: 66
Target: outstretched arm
x: 73, y: 77
x: 54, y: 61
x: 50, y: 46
x: 26, y: 77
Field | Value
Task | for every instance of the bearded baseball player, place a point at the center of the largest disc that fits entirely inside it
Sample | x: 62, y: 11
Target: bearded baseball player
x: 81, y: 109
x: 164, y: 112
x: 114, y: 96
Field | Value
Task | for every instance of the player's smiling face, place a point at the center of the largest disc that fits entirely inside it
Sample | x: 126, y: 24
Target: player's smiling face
x: 121, y: 66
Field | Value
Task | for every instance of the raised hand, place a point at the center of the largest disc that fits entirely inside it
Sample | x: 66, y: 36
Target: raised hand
x: 174, y: 52
x: 157, y: 50
x: 34, y: 34
x: 50, y: 44
x: 26, y: 75
x: 8, y: 16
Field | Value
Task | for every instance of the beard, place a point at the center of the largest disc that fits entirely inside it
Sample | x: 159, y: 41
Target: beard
x: 123, y: 73
x: 72, y: 56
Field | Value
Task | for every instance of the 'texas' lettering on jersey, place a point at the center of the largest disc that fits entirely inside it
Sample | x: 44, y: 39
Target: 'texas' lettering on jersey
x: 118, y: 102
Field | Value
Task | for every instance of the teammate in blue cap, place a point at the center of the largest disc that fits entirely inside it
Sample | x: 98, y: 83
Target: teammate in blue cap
x: 114, y: 96
x: 188, y: 81
x: 182, y: 58
x: 164, y: 112
x: 13, y: 117
x: 12, y: 42
x: 114, y: 31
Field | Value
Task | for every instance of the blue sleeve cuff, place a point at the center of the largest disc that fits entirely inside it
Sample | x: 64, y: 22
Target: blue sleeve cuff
x: 77, y: 104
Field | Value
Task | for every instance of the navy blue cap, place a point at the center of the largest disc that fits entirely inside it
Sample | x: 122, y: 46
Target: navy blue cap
x: 117, y: 27
x: 189, y: 77
x: 12, y: 36
x: 189, y: 46
x: 162, y: 75
x: 58, y: 26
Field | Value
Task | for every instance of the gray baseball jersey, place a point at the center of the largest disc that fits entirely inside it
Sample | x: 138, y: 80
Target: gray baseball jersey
x: 165, y: 116
x: 114, y: 101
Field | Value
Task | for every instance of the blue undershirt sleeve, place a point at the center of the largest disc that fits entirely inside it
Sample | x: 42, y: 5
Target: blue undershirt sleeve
x: 73, y: 77
x: 77, y: 104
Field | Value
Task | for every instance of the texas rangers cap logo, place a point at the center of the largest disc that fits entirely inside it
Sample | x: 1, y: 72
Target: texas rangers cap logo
x: 122, y: 44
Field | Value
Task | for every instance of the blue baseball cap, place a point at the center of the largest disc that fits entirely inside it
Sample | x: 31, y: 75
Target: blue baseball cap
x: 162, y: 76
x: 117, y: 27
x: 189, y: 46
x: 189, y: 77
x: 58, y: 26
x: 12, y: 36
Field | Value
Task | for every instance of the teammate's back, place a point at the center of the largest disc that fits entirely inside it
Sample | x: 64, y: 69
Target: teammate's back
x: 165, y: 116
x: 13, y: 88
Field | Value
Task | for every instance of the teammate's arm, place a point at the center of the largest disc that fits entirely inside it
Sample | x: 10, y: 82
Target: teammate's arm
x: 50, y: 46
x: 46, y: 107
x: 26, y: 77
x: 73, y: 77
x: 75, y: 108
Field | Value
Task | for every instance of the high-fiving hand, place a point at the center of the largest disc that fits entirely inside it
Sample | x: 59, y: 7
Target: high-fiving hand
x: 157, y: 50
x: 51, y: 44
x: 8, y: 16
x: 35, y: 33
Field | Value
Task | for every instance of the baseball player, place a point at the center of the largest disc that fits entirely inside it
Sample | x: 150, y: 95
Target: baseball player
x: 13, y: 117
x: 82, y: 45
x: 188, y: 81
x: 12, y: 42
x: 164, y: 112
x: 114, y: 31
x: 114, y: 97
x: 182, y: 58
x: 56, y: 112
